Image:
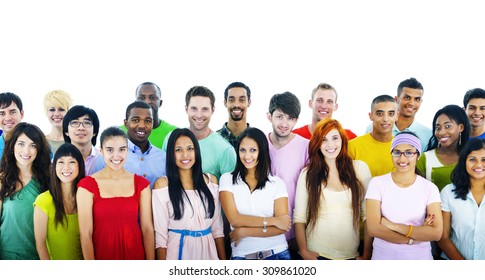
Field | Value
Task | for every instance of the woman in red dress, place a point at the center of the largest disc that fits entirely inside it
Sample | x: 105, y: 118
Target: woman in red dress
x: 114, y: 207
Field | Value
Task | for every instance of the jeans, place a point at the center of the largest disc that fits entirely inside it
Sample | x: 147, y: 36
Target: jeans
x: 283, y: 255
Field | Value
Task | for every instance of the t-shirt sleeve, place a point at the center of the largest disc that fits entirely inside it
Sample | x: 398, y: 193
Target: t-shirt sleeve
x: 301, y: 200
x: 228, y: 160
x: 225, y: 183
x: 88, y: 183
x: 42, y: 201
x: 280, y: 188
x: 373, y: 190
x: 434, y: 193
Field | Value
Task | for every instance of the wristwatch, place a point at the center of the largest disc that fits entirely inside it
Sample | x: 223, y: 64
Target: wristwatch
x: 410, y: 241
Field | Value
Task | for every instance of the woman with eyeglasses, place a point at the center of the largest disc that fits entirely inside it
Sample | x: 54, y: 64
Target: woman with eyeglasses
x: 462, y: 203
x: 403, y: 208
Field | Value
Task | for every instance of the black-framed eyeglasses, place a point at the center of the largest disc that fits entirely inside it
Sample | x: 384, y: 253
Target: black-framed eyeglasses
x: 76, y: 124
x: 397, y: 153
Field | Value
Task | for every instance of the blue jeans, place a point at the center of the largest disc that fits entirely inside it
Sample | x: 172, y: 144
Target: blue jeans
x: 283, y: 255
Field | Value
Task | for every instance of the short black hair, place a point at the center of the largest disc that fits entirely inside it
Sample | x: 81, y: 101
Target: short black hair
x: 380, y: 99
x: 473, y: 93
x: 287, y: 102
x: 137, y: 104
x: 159, y: 92
x: 235, y: 85
x: 6, y: 99
x: 409, y: 83
x: 78, y: 111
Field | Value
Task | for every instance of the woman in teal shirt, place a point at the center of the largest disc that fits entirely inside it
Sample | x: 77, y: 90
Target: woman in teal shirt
x: 24, y: 174
x: 56, y: 224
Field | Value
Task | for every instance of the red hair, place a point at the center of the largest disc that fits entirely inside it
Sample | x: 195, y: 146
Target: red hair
x: 318, y: 170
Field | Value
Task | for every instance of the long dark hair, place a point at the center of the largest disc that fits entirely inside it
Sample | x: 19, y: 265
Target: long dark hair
x: 176, y: 190
x: 263, y: 169
x: 458, y: 115
x: 10, y: 173
x: 318, y: 170
x: 64, y: 150
x: 459, y: 176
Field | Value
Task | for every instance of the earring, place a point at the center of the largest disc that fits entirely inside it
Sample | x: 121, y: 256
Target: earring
x: 439, y: 144
x: 459, y: 141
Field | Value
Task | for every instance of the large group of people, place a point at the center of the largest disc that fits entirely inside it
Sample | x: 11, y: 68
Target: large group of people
x: 151, y: 190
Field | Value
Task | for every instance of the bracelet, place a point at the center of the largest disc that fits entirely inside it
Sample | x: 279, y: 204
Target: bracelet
x: 265, y: 223
x: 410, y: 231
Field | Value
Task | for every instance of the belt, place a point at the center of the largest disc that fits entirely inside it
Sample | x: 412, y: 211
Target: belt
x: 185, y: 232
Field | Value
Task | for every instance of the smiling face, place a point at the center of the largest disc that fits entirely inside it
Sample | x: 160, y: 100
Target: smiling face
x: 199, y: 112
x: 383, y: 117
x: 323, y: 104
x: 55, y: 116
x: 475, y: 110
x: 409, y: 102
x: 139, y: 125
x: 115, y: 151
x: 25, y: 151
x: 475, y: 164
x: 403, y: 163
x: 331, y: 145
x: 447, y: 131
x: 10, y: 116
x: 249, y: 153
x: 237, y: 103
x: 184, y: 153
x: 67, y: 169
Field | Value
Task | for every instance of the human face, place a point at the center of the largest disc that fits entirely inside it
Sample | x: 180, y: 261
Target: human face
x: 139, y: 125
x: 81, y: 135
x: 199, y: 112
x: 323, y: 104
x: 403, y: 163
x: 331, y: 144
x: 150, y: 95
x: 10, y: 116
x: 55, y: 116
x: 282, y: 123
x: 115, y: 151
x: 383, y: 117
x: 475, y: 110
x: 475, y: 164
x: 237, y: 103
x: 447, y: 131
x: 25, y: 150
x: 184, y: 153
x: 67, y: 169
x: 249, y: 153
x: 409, y: 101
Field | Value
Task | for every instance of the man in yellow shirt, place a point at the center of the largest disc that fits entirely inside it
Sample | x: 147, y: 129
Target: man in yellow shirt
x: 374, y: 147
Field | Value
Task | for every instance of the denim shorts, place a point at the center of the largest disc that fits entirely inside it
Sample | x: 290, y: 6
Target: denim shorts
x: 283, y: 255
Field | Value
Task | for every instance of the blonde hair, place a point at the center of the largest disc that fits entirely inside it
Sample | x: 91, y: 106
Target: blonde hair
x: 57, y: 98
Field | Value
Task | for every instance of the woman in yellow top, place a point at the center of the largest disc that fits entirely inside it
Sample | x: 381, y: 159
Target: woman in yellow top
x: 56, y: 225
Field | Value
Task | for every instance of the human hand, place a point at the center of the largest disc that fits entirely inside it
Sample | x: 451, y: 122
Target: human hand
x: 282, y: 222
x: 236, y: 235
x: 308, y: 255
x: 429, y: 220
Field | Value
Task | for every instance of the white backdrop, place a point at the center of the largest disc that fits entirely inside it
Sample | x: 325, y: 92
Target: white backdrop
x: 99, y: 51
